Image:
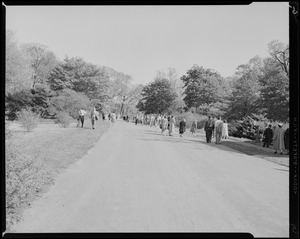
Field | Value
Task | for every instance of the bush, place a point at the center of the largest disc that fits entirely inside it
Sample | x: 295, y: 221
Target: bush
x: 190, y: 118
x: 28, y: 119
x: 63, y: 119
x: 70, y: 102
x: 22, y: 174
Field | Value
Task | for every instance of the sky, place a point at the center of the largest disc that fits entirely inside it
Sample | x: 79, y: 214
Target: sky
x: 140, y: 40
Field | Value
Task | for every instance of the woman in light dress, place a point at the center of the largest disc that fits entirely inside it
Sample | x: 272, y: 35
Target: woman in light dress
x: 278, y: 139
x: 225, y: 130
x: 172, y: 126
x: 194, y: 128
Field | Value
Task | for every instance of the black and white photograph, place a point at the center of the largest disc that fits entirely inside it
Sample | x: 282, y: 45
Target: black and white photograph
x: 149, y: 119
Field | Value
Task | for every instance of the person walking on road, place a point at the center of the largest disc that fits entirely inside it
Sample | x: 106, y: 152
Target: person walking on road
x: 113, y: 117
x: 219, y: 129
x: 172, y: 126
x: 278, y: 139
x: 194, y: 128
x: 81, y: 114
x: 268, y: 135
x: 225, y: 130
x: 164, y: 125
x: 209, y: 128
x: 182, y: 126
x: 94, y: 117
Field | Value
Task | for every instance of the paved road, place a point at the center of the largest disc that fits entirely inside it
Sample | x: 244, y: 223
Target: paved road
x: 137, y: 180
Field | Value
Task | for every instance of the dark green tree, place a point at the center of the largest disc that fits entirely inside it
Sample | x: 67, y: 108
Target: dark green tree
x: 158, y: 96
x: 202, y: 86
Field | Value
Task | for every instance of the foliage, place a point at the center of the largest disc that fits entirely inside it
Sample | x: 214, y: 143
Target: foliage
x: 280, y: 52
x: 41, y: 60
x: 245, y: 93
x: 70, y: 102
x: 17, y: 101
x: 274, y: 98
x: 63, y: 119
x: 190, y: 118
x: 17, y: 69
x: 28, y: 119
x: 76, y: 74
x: 202, y: 86
x: 157, y: 97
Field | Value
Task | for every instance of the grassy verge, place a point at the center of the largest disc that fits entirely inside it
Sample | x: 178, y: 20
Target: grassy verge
x: 34, y: 160
x: 243, y: 147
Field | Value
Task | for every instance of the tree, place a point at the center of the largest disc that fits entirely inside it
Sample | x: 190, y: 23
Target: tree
x: 202, y: 86
x: 70, y: 102
x: 177, y: 85
x: 274, y: 99
x: 280, y: 53
x: 42, y: 61
x: 17, y: 69
x: 157, y: 97
x: 76, y: 74
x: 245, y: 90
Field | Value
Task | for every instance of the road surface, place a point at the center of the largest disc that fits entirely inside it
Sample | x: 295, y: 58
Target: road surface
x: 137, y: 180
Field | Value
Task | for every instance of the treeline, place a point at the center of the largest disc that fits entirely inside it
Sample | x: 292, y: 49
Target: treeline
x: 37, y: 80
x: 258, y: 89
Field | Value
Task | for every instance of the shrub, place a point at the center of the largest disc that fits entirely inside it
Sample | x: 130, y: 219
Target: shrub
x: 22, y: 179
x: 70, y: 102
x: 28, y: 119
x: 63, y: 119
x: 190, y: 118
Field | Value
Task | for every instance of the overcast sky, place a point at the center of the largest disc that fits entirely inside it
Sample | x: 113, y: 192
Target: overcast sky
x: 139, y: 40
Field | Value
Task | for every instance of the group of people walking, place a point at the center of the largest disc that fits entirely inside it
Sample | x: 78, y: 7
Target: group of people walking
x: 218, y: 127
x: 278, y: 136
x: 94, y: 117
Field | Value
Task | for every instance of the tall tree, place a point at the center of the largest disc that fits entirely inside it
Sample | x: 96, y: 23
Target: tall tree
x: 281, y: 54
x: 157, y: 97
x: 202, y: 86
x: 274, y: 99
x: 245, y: 90
x: 17, y: 69
x: 75, y: 74
x: 42, y: 61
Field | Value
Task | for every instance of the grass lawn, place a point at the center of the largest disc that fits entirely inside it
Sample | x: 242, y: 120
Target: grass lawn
x: 53, y: 149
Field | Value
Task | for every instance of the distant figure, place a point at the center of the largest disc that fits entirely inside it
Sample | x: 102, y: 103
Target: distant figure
x: 268, y: 135
x: 172, y: 126
x: 157, y: 122
x: 136, y: 120
x: 94, y: 117
x: 219, y: 128
x: 182, y: 125
x: 194, y: 128
x: 109, y: 117
x: 278, y: 139
x: 103, y: 116
x: 169, y: 118
x: 287, y: 140
x: 209, y: 128
x: 152, y: 119
x: 113, y: 117
x: 164, y: 125
x: 81, y: 114
x: 225, y: 130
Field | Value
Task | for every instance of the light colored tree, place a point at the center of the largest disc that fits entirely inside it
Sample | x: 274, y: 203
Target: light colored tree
x: 17, y: 69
